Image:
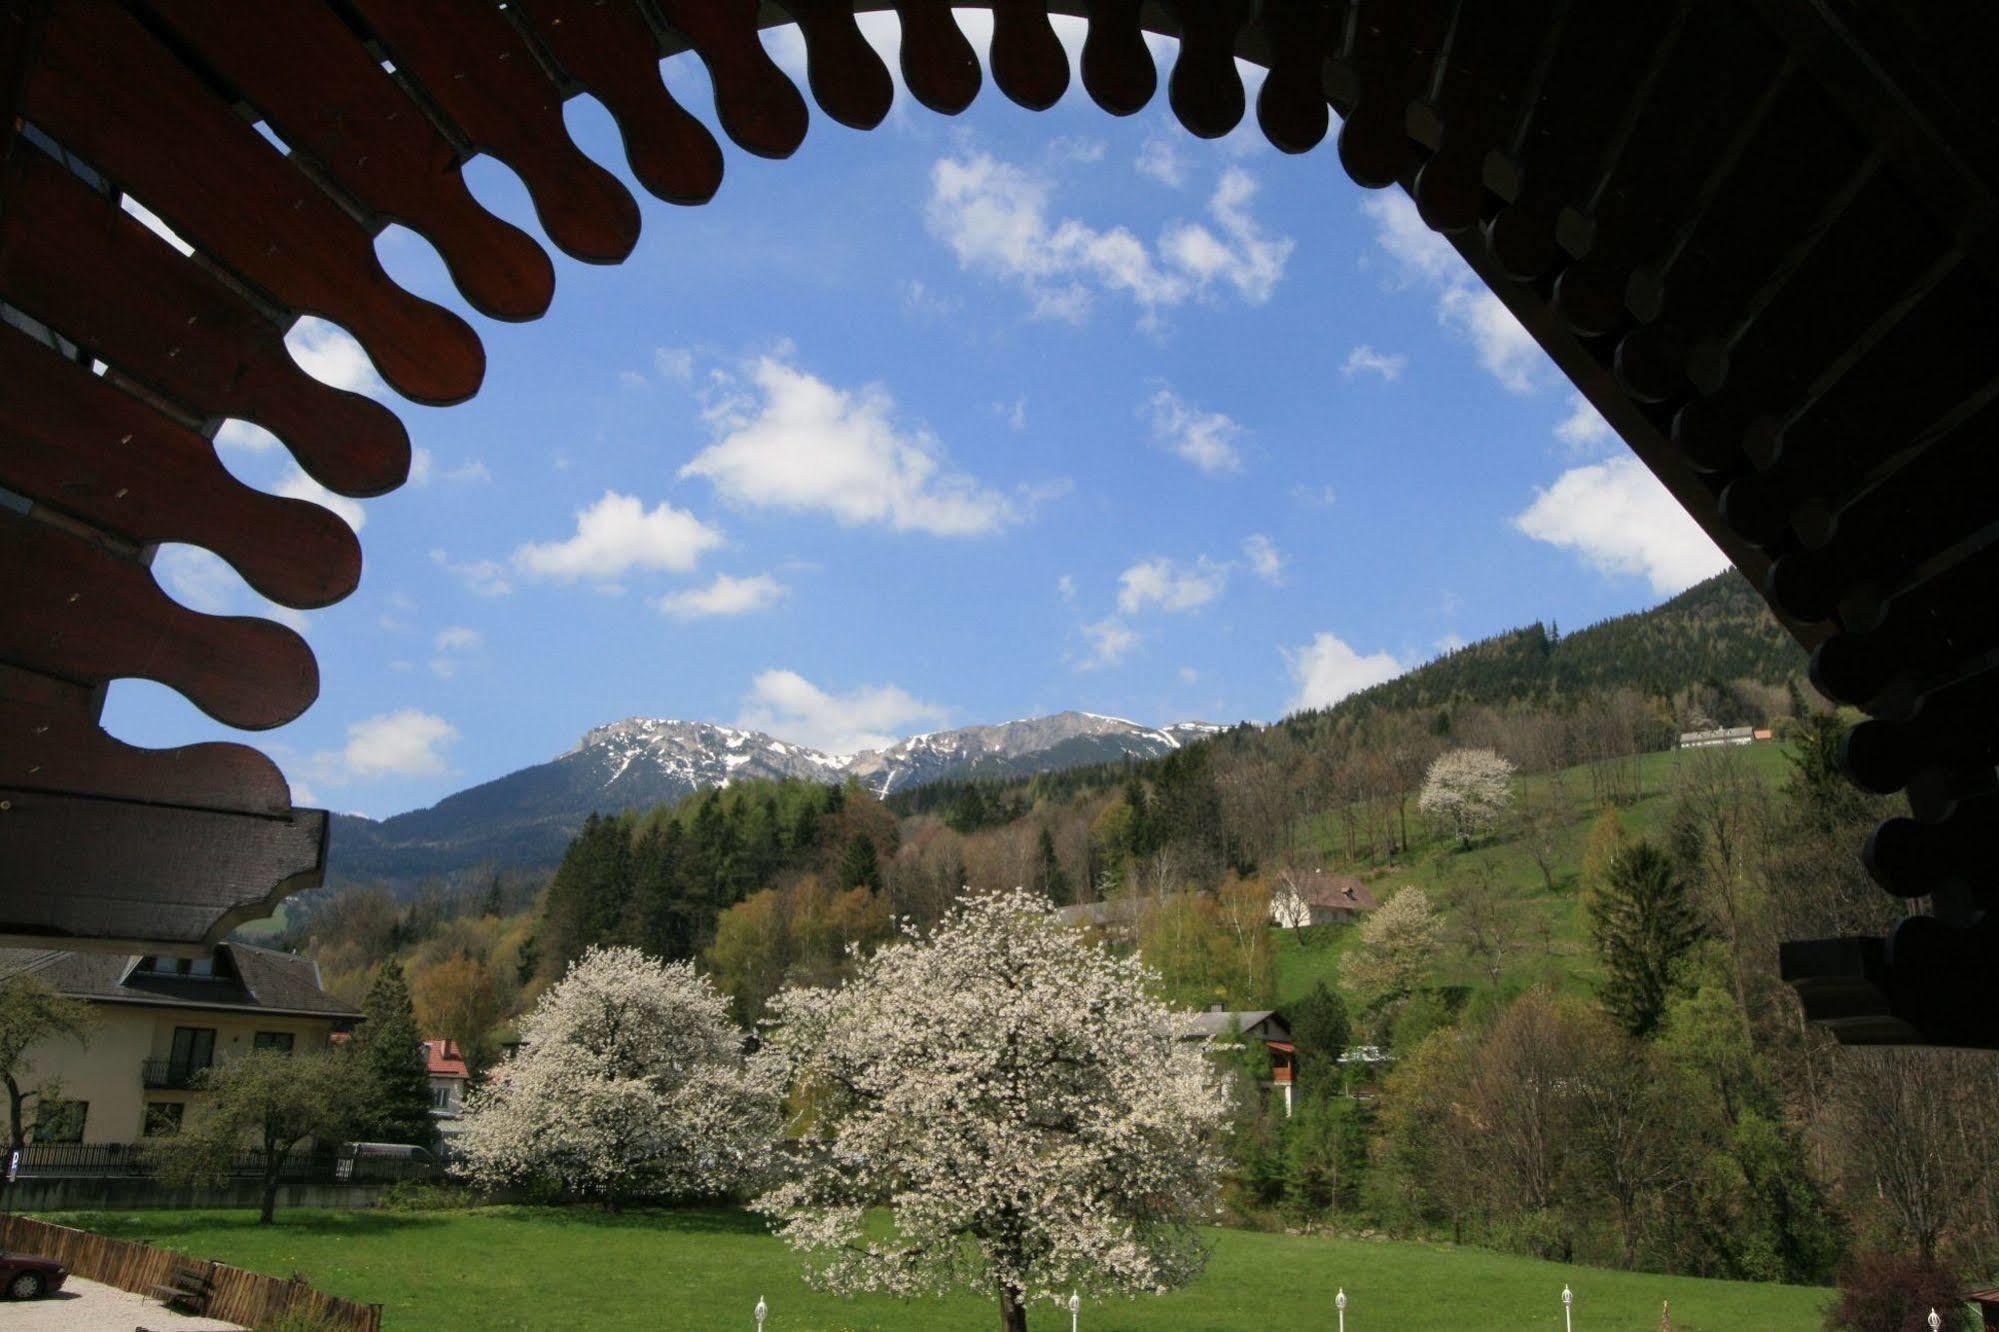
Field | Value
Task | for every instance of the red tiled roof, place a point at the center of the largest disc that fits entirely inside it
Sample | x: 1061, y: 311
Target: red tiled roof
x: 444, y: 1058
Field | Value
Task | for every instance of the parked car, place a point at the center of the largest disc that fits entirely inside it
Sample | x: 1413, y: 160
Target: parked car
x: 382, y: 1162
x: 24, y: 1276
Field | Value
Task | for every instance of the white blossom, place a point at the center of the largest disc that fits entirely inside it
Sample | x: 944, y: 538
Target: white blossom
x: 1008, y: 1095
x: 630, y: 1083
x: 1469, y: 789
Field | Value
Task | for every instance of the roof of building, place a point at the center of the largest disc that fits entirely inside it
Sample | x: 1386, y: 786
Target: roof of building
x: 1217, y: 1022
x: 1343, y: 891
x: 236, y: 975
x: 444, y: 1059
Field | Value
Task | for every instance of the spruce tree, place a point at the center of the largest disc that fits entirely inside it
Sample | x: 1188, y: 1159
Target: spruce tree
x: 1320, y: 1031
x: 1645, y: 923
x: 389, y: 1046
x: 1053, y: 881
x: 860, y: 867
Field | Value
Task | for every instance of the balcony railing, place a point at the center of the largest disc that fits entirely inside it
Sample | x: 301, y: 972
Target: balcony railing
x: 171, y: 1074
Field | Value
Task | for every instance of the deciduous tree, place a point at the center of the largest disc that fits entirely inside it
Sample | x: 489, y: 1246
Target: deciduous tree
x: 1017, y: 1104
x: 630, y: 1083
x: 267, y: 1100
x: 1468, y: 789
x: 31, y: 1013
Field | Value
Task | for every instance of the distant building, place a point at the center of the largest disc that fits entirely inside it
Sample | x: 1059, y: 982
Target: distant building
x: 1721, y: 735
x: 1117, y: 917
x: 1318, y: 898
x: 445, y: 1063
x: 1260, y: 1024
x: 161, y: 1021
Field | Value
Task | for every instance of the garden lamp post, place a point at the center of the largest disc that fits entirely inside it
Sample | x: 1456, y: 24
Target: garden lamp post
x: 1075, y: 1309
x: 1340, y: 1303
x: 762, y: 1311
x: 1568, y: 1299
x: 1935, y: 1320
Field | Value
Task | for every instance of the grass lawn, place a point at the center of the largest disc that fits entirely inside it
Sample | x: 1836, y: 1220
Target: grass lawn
x: 578, y: 1270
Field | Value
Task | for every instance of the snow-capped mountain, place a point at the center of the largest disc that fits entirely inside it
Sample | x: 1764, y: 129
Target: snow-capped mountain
x: 528, y: 817
x: 1017, y: 748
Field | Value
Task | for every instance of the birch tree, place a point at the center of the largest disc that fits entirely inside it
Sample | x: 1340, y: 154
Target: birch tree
x: 1010, y: 1097
x: 630, y: 1083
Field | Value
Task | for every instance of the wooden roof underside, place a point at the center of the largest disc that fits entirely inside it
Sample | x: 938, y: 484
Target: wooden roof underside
x: 1757, y: 236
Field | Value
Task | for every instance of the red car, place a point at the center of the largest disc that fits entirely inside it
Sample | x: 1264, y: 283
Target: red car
x: 23, y: 1276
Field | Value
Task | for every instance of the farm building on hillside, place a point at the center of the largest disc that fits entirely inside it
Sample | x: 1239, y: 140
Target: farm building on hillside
x: 1319, y: 898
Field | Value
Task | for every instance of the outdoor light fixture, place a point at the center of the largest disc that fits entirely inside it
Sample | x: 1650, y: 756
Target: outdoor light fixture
x: 1340, y: 1303
x: 762, y: 1312
x: 1568, y: 1298
x: 1935, y: 1320
x: 1075, y: 1309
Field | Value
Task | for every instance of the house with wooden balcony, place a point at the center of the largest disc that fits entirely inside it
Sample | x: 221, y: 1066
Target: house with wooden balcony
x: 1262, y: 1025
x: 161, y: 1022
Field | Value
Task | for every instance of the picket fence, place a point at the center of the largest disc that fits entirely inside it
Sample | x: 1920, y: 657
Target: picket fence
x: 249, y: 1298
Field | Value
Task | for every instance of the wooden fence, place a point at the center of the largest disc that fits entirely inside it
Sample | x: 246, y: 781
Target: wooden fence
x: 249, y: 1298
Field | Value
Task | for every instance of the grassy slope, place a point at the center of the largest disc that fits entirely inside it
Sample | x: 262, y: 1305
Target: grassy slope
x: 538, y: 1268
x: 1554, y: 940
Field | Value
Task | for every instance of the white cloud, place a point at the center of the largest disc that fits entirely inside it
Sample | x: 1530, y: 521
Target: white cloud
x: 1111, y: 641
x: 1076, y: 148
x: 458, y: 638
x: 995, y: 218
x: 235, y: 434
x: 295, y: 484
x: 1504, y: 348
x: 632, y: 379
x: 1188, y: 675
x: 616, y: 535
x: 1205, y: 439
x: 1160, y: 158
x: 303, y: 796
x: 1584, y: 430
x: 1318, y: 497
x: 1366, y: 360
x: 1619, y: 518
x: 1065, y: 587
x: 327, y: 353
x: 423, y: 470
x: 1450, y: 643
x: 1326, y: 670
x: 785, y: 704
x: 1265, y: 560
x: 452, y: 644
x: 674, y: 362
x: 1013, y: 413
x: 486, y: 578
x: 202, y: 581
x: 725, y: 596
x: 792, y: 441
x: 1171, y: 587
x: 404, y: 743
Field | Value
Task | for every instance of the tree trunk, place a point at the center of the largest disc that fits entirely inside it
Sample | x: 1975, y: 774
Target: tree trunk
x: 270, y: 1206
x: 1013, y: 1314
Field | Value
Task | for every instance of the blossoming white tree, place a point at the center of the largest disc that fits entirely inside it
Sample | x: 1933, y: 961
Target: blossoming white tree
x: 630, y: 1083
x: 1009, y: 1095
x: 1468, y: 789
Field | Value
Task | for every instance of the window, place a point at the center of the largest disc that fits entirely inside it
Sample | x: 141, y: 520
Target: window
x: 60, y: 1121
x: 440, y: 1098
x: 280, y: 1041
x: 193, y: 1050
x: 163, y: 1118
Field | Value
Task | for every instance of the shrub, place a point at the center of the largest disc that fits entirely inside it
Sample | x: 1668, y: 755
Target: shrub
x: 1890, y: 1292
x: 423, y: 1195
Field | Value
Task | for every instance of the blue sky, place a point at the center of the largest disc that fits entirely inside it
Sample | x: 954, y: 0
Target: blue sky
x: 956, y: 421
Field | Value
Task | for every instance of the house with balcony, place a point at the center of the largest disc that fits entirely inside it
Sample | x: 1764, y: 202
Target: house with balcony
x: 445, y: 1063
x: 1264, y: 1026
x: 161, y: 1021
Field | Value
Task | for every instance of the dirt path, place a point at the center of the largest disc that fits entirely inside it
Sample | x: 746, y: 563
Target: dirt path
x: 86, y: 1306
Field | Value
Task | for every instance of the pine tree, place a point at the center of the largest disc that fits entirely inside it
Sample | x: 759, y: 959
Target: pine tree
x: 1054, y: 883
x: 860, y: 867
x: 1645, y: 923
x: 1320, y: 1031
x: 389, y: 1045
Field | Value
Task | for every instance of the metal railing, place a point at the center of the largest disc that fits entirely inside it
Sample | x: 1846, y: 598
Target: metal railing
x: 129, y: 1160
x: 171, y: 1074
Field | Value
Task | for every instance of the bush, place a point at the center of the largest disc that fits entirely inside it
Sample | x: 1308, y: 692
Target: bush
x: 422, y: 1195
x: 1890, y: 1292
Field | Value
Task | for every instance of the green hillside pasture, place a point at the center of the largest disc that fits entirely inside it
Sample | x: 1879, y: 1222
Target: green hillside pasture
x: 1552, y: 941
x: 522, y: 1268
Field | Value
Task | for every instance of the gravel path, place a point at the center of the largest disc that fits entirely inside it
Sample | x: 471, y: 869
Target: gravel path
x: 86, y: 1306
